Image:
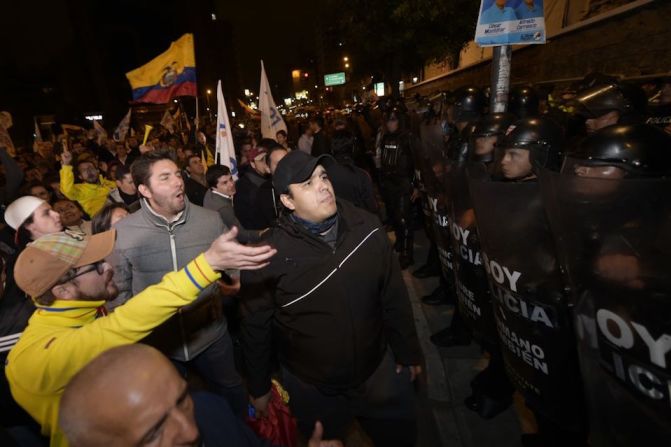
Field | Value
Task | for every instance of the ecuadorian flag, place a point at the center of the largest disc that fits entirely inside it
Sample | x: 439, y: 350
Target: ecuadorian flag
x: 170, y: 74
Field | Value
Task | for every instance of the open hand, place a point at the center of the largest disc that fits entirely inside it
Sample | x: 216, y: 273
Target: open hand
x: 66, y: 156
x: 227, y: 253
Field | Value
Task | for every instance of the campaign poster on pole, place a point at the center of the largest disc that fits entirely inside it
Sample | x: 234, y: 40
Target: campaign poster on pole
x: 510, y: 22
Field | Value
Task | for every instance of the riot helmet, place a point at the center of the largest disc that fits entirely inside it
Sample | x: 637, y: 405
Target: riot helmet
x: 529, y: 145
x: 486, y: 133
x: 599, y: 100
x: 523, y: 101
x: 468, y: 103
x: 594, y: 79
x: 457, y: 149
x: 394, y: 114
x: 638, y: 150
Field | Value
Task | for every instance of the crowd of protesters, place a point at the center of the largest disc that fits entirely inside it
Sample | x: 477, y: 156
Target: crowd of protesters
x: 286, y: 273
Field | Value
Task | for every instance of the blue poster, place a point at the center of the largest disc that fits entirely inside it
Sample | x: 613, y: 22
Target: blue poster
x: 506, y: 22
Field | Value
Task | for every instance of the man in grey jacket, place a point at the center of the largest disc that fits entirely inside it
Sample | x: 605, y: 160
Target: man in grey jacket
x: 163, y: 236
x: 219, y: 198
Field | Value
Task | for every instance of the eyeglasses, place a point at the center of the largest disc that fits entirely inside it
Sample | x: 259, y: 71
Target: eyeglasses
x: 98, y: 267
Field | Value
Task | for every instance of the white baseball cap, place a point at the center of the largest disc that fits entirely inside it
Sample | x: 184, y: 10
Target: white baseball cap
x: 19, y: 210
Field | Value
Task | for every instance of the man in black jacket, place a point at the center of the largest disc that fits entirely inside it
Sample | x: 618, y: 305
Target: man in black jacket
x: 338, y: 311
x: 195, y: 184
x: 349, y: 181
x: 254, y: 202
x: 320, y: 141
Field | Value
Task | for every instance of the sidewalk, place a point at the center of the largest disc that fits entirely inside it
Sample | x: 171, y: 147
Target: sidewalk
x: 444, y: 420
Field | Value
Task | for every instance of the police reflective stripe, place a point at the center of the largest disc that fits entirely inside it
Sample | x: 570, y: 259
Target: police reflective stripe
x: 332, y: 271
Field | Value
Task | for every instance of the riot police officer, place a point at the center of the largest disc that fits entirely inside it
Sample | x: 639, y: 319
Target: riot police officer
x: 523, y: 101
x: 466, y: 106
x: 433, y: 139
x: 533, y: 316
x: 397, y: 169
x: 492, y: 392
x: 530, y: 145
x: 607, y: 104
x: 486, y: 132
x: 610, y: 210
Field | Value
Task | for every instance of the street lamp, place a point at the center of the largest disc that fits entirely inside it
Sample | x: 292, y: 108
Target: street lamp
x: 347, y: 65
x: 209, y: 92
x: 345, y: 59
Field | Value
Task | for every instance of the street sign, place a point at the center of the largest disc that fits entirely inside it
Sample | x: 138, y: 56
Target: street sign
x: 334, y: 79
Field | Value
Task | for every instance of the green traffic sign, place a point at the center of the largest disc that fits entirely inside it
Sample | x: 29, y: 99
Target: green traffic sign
x: 334, y: 79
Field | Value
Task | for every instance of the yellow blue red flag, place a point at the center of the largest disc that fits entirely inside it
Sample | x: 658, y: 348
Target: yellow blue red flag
x: 170, y: 74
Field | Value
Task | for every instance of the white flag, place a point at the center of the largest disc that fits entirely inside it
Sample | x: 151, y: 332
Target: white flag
x: 168, y: 122
x: 122, y: 129
x: 38, y: 132
x: 271, y: 120
x: 225, y: 151
x: 100, y: 131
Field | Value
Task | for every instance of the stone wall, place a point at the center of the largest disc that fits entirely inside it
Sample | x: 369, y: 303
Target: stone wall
x: 632, y: 44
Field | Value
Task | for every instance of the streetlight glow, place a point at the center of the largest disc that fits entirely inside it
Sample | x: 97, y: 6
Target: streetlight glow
x: 346, y: 59
x: 209, y: 92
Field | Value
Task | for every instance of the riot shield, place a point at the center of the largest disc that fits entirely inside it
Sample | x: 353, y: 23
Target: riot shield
x: 613, y: 238
x: 431, y: 134
x: 473, y: 296
x: 437, y: 199
x: 533, y: 318
x: 427, y: 178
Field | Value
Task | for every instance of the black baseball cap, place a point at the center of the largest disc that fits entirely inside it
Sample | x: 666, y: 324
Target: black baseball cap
x: 297, y: 167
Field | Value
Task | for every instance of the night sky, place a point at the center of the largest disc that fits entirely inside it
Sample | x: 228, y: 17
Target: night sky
x: 282, y: 33
x: 69, y: 57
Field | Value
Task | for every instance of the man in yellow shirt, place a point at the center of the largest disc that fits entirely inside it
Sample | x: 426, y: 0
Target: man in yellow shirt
x: 92, y: 192
x: 66, y: 276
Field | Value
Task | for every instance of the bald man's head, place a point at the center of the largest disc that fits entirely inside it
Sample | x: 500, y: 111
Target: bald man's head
x: 130, y: 395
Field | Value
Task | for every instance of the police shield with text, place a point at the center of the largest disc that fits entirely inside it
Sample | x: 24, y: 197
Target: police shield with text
x: 437, y: 200
x: 533, y: 318
x: 466, y: 105
x: 432, y: 167
x: 610, y: 211
x: 492, y: 392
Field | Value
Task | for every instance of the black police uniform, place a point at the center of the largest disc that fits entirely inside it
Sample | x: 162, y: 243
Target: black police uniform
x: 397, y: 185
